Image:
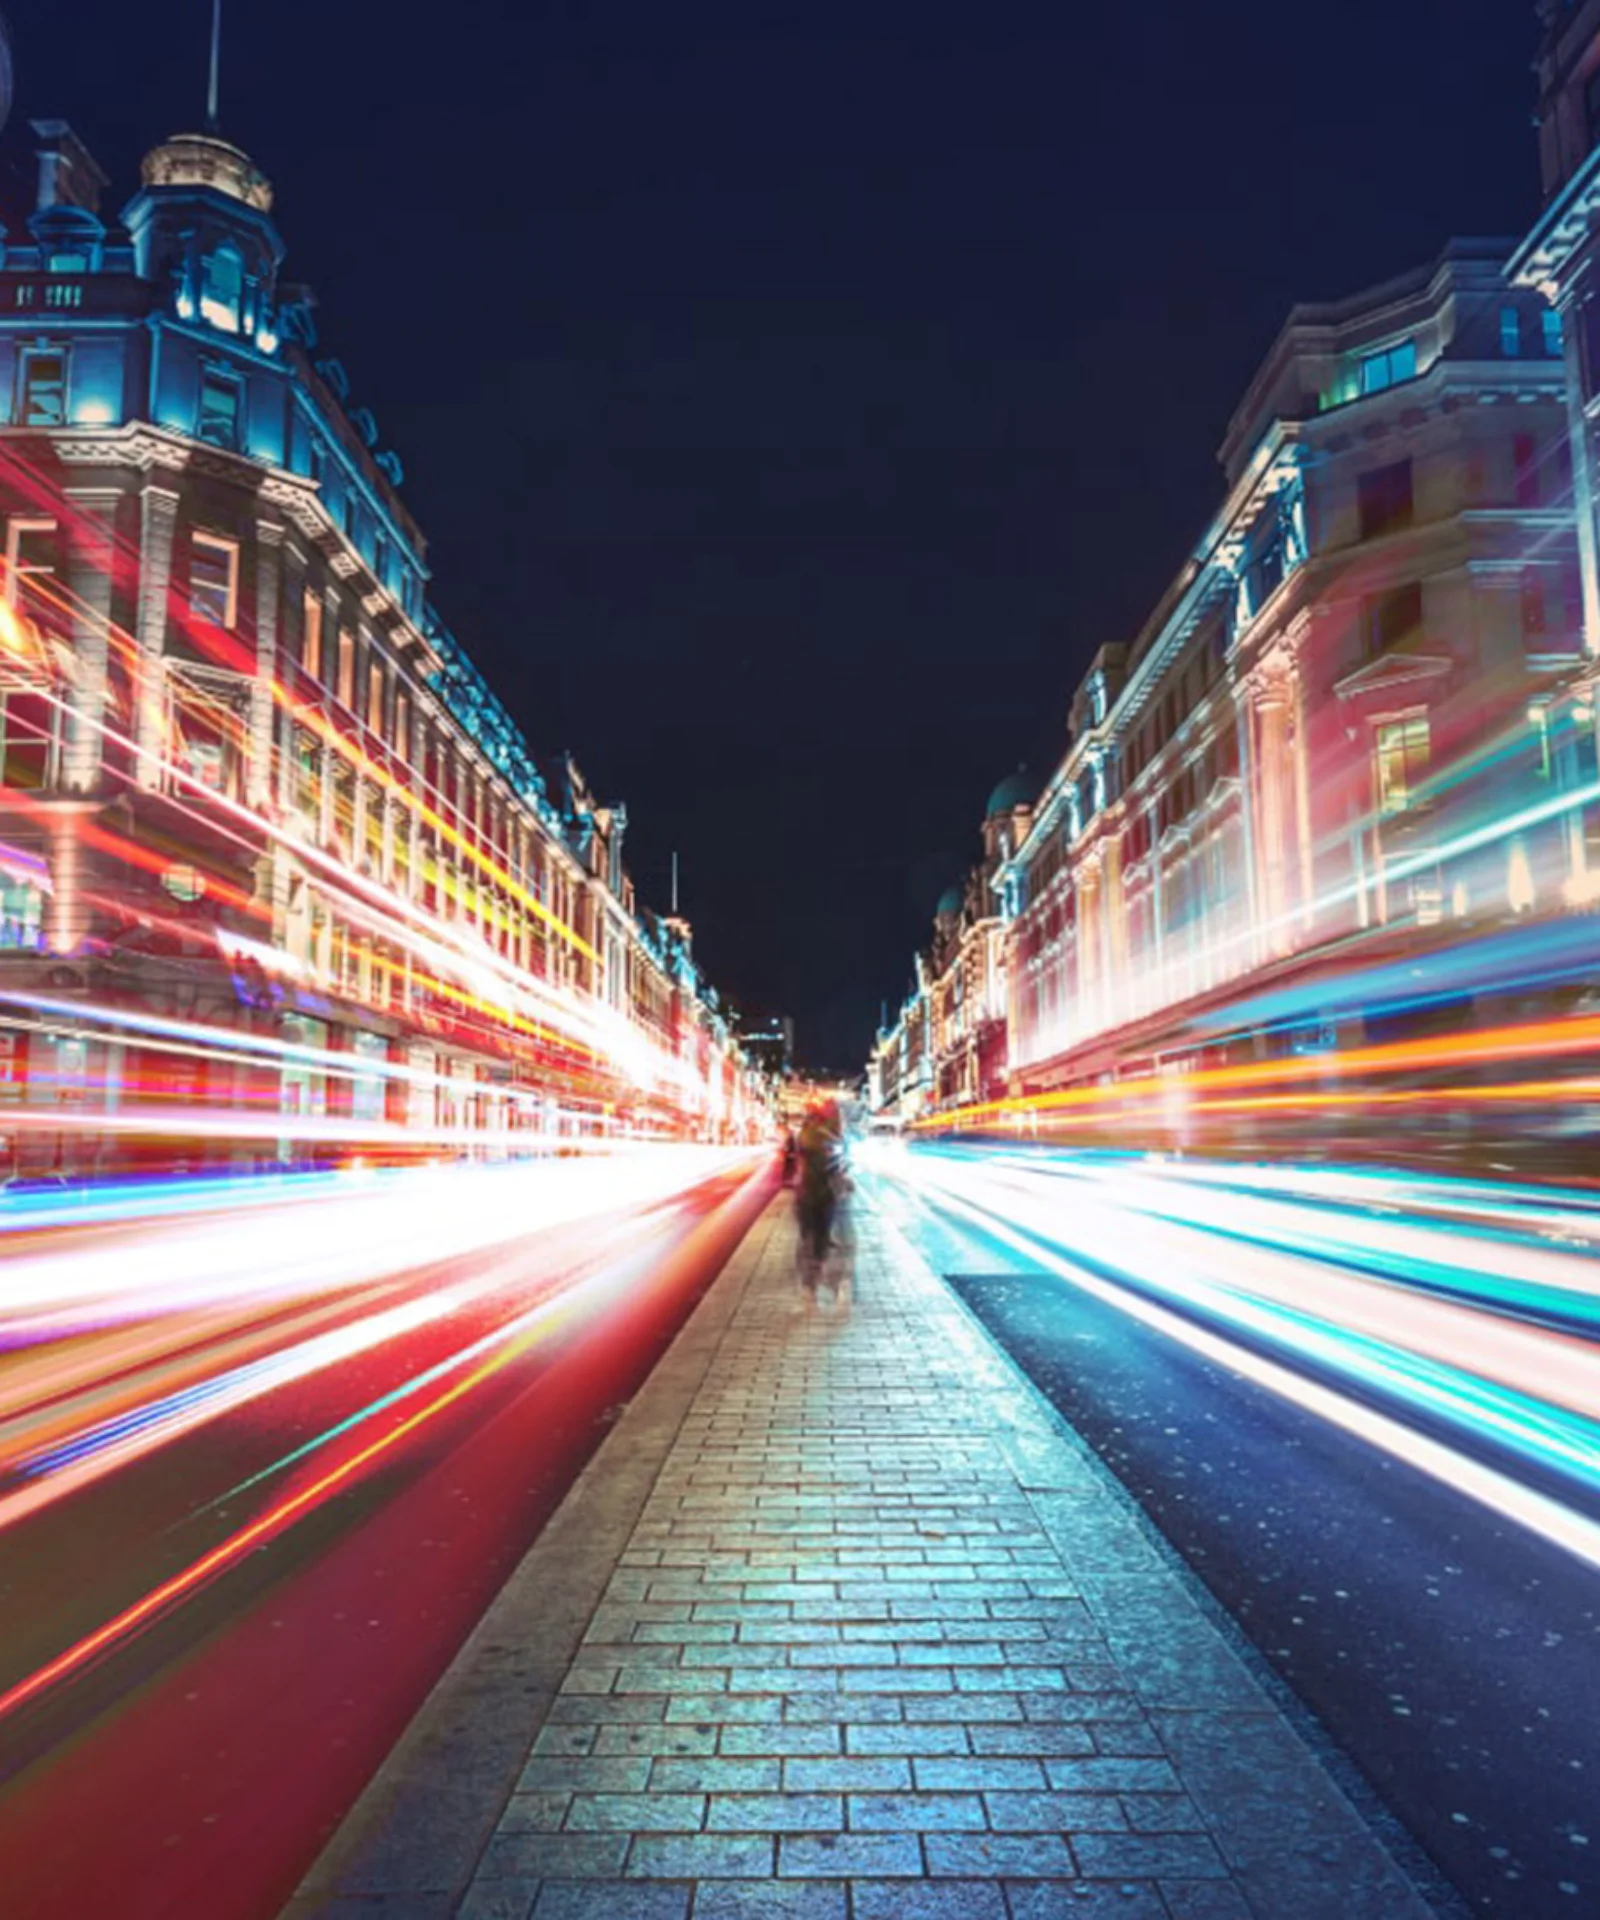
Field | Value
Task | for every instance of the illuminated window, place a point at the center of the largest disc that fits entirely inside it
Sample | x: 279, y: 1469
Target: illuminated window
x: 21, y: 914
x: 311, y: 640
x: 1400, y: 758
x: 1379, y: 371
x: 346, y: 688
x: 219, y: 411
x: 1383, y: 498
x: 402, y: 723
x: 375, y: 696
x: 222, y: 288
x: 42, y: 400
x: 1551, y: 323
x: 1510, y: 332
x: 1539, y: 719
x: 30, y: 555
x: 214, y: 580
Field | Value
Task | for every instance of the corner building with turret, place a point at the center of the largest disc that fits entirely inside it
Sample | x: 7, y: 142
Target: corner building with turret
x: 279, y: 877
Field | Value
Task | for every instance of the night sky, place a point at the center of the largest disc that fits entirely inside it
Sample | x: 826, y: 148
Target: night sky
x: 795, y: 396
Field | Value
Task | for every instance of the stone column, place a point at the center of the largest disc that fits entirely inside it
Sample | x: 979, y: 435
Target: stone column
x: 89, y: 584
x: 1272, y: 840
x: 159, y: 511
x: 1247, y: 807
x: 1300, y: 773
x: 294, y: 579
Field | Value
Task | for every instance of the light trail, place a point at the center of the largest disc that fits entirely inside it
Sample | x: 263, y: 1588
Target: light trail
x: 420, y: 1287
x: 1332, y: 1305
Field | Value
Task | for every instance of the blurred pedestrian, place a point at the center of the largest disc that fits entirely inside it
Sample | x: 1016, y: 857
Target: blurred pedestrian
x: 821, y: 1150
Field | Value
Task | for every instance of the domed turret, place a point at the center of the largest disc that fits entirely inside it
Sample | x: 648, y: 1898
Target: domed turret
x: 1016, y: 790
x: 202, y: 160
x: 951, y: 902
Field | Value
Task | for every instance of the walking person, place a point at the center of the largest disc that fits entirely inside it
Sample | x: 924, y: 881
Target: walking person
x: 821, y: 1149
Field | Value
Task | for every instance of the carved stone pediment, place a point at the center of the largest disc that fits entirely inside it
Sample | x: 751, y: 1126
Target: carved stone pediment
x: 1397, y: 668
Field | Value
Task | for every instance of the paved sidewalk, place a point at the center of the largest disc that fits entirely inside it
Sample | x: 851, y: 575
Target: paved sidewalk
x: 881, y: 1642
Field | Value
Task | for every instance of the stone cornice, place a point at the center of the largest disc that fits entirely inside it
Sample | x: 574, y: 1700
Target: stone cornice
x: 1544, y: 259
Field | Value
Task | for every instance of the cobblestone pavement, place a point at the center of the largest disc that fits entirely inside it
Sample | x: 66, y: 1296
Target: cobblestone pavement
x: 884, y: 1643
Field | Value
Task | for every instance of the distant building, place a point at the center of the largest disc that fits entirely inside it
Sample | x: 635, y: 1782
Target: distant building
x: 769, y: 1046
x: 947, y: 1047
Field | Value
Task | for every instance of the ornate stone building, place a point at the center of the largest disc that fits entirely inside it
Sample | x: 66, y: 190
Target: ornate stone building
x: 272, y: 853
x: 1367, y: 662
x: 1360, y: 720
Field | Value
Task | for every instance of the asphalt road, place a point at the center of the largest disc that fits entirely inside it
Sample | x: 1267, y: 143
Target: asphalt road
x: 1451, y: 1652
x: 262, y: 1469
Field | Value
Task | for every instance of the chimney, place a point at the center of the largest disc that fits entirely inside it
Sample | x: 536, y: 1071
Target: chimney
x: 68, y: 175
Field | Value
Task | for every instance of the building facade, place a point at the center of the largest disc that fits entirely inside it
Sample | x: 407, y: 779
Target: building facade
x: 948, y: 1045
x: 277, y: 869
x: 1359, y: 720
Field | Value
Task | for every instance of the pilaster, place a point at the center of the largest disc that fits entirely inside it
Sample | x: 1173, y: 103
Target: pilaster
x: 158, y: 523
x: 89, y: 585
x: 269, y: 578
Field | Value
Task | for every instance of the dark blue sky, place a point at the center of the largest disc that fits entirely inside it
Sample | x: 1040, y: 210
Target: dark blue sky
x: 796, y: 395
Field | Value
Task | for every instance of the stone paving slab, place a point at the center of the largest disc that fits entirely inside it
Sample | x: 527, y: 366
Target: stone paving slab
x: 866, y: 1633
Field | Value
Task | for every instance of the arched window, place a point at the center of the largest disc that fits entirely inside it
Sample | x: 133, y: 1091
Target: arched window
x: 222, y: 288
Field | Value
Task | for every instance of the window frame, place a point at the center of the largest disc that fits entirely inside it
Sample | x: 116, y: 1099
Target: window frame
x: 376, y: 691
x: 214, y: 381
x: 1413, y: 768
x: 227, y: 545
x: 27, y: 360
x: 18, y: 525
x: 216, y: 312
x: 1379, y: 508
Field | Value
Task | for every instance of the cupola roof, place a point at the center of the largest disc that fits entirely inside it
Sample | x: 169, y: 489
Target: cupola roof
x: 203, y: 160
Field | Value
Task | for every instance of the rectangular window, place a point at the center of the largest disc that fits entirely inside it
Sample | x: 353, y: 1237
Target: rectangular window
x: 1393, y: 617
x: 1525, y: 464
x: 311, y: 640
x: 346, y: 687
x: 375, y: 696
x: 30, y: 562
x: 1400, y: 758
x: 27, y: 723
x: 1510, y: 333
x: 1379, y: 371
x: 402, y: 723
x: 42, y: 401
x: 219, y: 411
x: 214, y: 580
x: 1550, y: 321
x: 1384, y: 499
